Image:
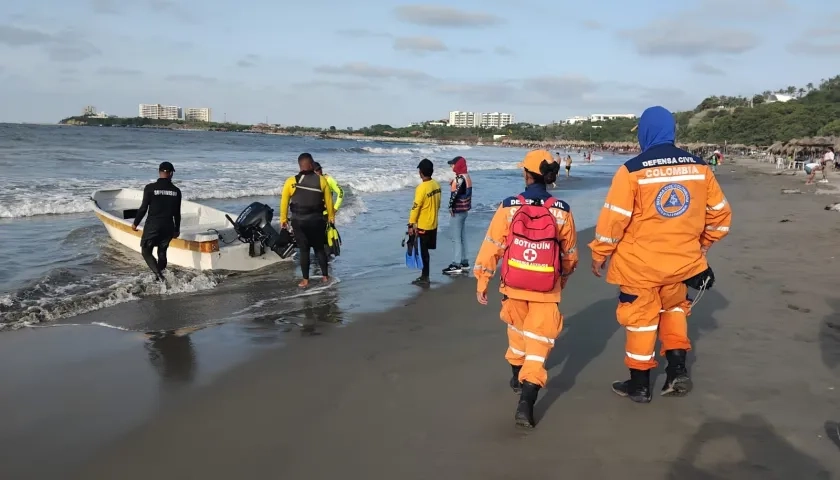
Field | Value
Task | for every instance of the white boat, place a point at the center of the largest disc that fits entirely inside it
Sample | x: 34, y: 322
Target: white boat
x: 207, y: 241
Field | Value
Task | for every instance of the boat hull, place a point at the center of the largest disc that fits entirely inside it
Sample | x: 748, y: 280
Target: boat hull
x: 195, y: 249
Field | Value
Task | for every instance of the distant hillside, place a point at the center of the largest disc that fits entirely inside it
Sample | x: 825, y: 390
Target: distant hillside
x: 754, y: 121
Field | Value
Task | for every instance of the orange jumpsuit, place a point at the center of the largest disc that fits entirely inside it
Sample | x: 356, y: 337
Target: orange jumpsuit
x: 533, y: 318
x: 662, y: 207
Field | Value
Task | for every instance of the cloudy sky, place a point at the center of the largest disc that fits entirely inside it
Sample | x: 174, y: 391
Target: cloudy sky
x: 356, y: 63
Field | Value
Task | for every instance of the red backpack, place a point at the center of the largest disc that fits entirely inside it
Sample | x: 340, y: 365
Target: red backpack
x: 532, y: 255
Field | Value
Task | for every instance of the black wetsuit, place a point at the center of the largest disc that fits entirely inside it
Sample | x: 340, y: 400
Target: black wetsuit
x: 162, y: 200
x: 308, y: 221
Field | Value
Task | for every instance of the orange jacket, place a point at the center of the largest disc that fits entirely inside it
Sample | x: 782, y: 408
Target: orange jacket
x: 493, y: 247
x: 663, y: 205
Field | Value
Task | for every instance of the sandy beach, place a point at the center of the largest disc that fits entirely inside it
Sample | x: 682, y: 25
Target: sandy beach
x: 420, y: 391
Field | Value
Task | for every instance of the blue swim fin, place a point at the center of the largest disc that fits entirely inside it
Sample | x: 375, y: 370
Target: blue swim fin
x: 410, y: 252
x: 418, y: 260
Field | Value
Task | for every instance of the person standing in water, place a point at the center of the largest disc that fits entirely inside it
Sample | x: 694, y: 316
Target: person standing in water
x: 568, y: 165
x: 423, y: 217
x: 334, y: 187
x: 534, y: 235
x: 460, y: 203
x: 307, y: 195
x: 162, y: 200
x: 662, y: 213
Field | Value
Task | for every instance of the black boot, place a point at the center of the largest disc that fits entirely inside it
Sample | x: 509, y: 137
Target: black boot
x: 677, y: 381
x: 514, y: 380
x: 525, y: 409
x: 637, y: 388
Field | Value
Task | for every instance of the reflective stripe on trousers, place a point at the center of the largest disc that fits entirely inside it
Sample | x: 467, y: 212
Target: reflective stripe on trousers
x: 647, y: 312
x: 532, y: 328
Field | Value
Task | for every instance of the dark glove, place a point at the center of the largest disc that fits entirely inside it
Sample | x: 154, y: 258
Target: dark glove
x: 704, y: 279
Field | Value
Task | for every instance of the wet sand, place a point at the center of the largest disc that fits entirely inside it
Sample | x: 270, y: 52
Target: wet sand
x: 421, y: 391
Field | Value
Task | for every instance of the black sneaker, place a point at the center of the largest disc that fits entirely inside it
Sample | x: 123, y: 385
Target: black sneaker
x: 637, y: 388
x: 465, y: 265
x: 677, y: 381
x: 452, y: 269
x: 422, y: 281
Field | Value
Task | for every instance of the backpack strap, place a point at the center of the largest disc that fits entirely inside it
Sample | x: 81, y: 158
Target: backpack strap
x: 549, y: 202
x: 522, y: 201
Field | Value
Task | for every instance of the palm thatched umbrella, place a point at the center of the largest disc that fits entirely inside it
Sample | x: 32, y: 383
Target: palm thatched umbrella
x: 776, y: 148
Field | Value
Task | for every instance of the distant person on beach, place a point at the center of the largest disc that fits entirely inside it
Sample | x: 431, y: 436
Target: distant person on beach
x: 713, y: 161
x: 568, y: 165
x: 534, y: 235
x: 460, y: 203
x: 423, y: 217
x: 307, y: 195
x: 811, y: 170
x: 334, y: 187
x: 162, y: 200
x: 830, y: 159
x: 663, y: 211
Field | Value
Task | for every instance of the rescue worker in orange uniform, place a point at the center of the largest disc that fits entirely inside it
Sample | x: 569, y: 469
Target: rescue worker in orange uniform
x: 532, y: 317
x: 663, y: 211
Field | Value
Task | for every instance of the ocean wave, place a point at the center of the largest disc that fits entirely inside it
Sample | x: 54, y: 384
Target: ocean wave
x: 71, y: 196
x: 426, y: 150
x: 62, y: 294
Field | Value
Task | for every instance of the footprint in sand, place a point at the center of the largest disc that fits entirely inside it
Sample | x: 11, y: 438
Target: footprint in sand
x: 798, y: 308
x: 745, y: 274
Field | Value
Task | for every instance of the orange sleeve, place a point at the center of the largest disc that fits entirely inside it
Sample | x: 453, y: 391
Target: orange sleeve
x: 615, y: 215
x: 718, y: 213
x: 568, y: 244
x: 492, y: 249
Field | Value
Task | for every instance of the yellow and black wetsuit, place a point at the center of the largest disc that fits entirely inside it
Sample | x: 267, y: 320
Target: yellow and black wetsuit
x: 307, y: 195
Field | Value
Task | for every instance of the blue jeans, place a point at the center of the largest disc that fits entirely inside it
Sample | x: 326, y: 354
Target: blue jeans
x: 459, y: 237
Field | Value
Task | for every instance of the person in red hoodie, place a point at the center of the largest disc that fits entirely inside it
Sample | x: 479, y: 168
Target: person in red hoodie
x: 460, y: 202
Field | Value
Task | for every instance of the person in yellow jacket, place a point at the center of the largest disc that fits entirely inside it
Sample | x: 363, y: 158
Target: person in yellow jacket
x: 530, y: 286
x: 663, y: 211
x: 307, y: 195
x: 334, y: 187
x: 423, y: 217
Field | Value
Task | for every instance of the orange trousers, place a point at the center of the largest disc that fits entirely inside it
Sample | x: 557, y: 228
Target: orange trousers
x: 532, y: 328
x: 644, y: 312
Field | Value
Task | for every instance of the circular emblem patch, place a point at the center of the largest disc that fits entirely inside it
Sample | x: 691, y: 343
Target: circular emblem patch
x: 672, y: 200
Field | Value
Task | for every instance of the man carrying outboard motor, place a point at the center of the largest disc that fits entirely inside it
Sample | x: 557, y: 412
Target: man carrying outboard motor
x: 307, y: 195
x: 162, y: 200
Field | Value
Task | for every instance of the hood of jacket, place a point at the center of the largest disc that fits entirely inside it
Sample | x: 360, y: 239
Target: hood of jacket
x: 656, y: 127
x: 460, y: 166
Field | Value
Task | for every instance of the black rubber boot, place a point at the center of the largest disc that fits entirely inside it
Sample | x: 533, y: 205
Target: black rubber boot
x: 525, y: 409
x: 514, y: 380
x: 677, y: 381
x: 637, y: 388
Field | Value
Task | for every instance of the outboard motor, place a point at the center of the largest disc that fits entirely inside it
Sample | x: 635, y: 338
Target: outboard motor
x: 253, y: 226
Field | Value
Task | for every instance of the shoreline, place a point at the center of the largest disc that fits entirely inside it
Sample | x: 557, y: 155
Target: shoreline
x: 422, y: 388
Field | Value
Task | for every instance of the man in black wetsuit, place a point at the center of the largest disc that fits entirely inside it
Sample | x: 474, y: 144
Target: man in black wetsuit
x: 307, y: 196
x: 162, y: 200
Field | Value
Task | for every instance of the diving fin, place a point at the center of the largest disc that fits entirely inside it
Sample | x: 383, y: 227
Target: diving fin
x: 333, y: 241
x: 418, y: 260
x: 411, y: 252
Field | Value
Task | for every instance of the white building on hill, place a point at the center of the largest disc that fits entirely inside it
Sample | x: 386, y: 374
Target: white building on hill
x: 496, y: 120
x: 472, y: 119
x: 600, y: 117
x: 157, y: 111
x: 197, y: 114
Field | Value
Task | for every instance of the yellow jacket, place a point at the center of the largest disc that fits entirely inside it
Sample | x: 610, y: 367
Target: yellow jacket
x: 289, y: 190
x: 424, y: 211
